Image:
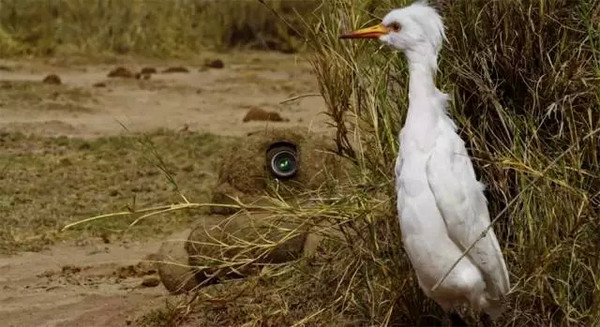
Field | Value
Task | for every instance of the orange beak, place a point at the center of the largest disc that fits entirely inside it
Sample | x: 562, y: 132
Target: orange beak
x: 373, y: 32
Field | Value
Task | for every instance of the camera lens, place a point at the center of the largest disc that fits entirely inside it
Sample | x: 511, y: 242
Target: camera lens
x: 282, y: 162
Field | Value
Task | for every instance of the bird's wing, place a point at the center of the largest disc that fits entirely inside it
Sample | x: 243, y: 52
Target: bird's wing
x: 398, y: 169
x: 460, y: 199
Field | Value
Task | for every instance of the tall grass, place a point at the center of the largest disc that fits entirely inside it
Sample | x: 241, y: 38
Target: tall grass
x: 525, y: 79
x: 146, y: 27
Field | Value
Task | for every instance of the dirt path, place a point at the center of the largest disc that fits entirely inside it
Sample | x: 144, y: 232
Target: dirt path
x: 98, y: 284
x: 94, y: 284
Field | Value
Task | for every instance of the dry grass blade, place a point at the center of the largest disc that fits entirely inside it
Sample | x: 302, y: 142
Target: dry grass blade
x: 148, y: 212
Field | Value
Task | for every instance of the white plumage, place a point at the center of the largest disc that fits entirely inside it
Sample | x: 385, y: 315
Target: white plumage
x: 441, y: 206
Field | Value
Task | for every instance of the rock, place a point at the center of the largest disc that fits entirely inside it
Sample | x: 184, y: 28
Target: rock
x: 52, y: 79
x: 216, y: 63
x: 121, y: 72
x: 173, y: 268
x: 176, y: 69
x: 218, y: 239
x: 149, y: 265
x: 142, y: 76
x: 70, y: 269
x: 148, y: 71
x: 258, y: 114
x: 150, y: 282
x: 99, y: 84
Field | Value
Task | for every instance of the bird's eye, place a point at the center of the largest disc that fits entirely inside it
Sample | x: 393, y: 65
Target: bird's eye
x: 395, y: 27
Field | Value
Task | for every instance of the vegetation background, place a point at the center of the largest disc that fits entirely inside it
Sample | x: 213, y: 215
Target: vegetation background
x: 172, y: 28
x: 524, y: 77
x: 525, y: 81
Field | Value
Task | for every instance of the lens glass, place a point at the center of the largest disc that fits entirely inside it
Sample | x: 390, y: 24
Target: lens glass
x: 283, y: 164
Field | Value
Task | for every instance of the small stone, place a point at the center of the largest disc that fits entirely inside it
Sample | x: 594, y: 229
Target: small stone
x: 148, y: 71
x: 150, y: 282
x: 70, y: 269
x: 216, y: 63
x: 176, y: 69
x: 52, y: 79
x: 121, y: 72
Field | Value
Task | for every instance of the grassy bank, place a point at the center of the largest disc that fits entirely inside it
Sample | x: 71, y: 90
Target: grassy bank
x: 49, y: 182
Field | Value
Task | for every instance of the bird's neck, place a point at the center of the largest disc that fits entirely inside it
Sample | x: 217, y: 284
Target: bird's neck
x: 426, y: 103
x: 422, y: 70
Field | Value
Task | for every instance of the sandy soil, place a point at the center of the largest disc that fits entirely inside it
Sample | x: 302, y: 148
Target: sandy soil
x: 92, y: 284
x: 97, y: 284
x: 205, y: 99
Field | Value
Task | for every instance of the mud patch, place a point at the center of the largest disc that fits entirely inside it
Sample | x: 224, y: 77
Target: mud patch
x: 258, y: 114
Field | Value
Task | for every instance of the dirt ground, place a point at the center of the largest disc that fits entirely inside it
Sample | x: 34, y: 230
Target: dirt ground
x: 79, y: 285
x: 204, y: 99
x: 87, y: 278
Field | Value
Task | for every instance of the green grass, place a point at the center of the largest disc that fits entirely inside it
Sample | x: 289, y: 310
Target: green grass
x: 49, y: 182
x: 43, y: 96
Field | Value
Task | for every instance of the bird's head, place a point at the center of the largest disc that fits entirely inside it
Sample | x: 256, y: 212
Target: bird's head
x: 416, y: 29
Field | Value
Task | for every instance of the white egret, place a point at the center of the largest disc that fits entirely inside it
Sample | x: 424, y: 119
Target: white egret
x: 441, y: 206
